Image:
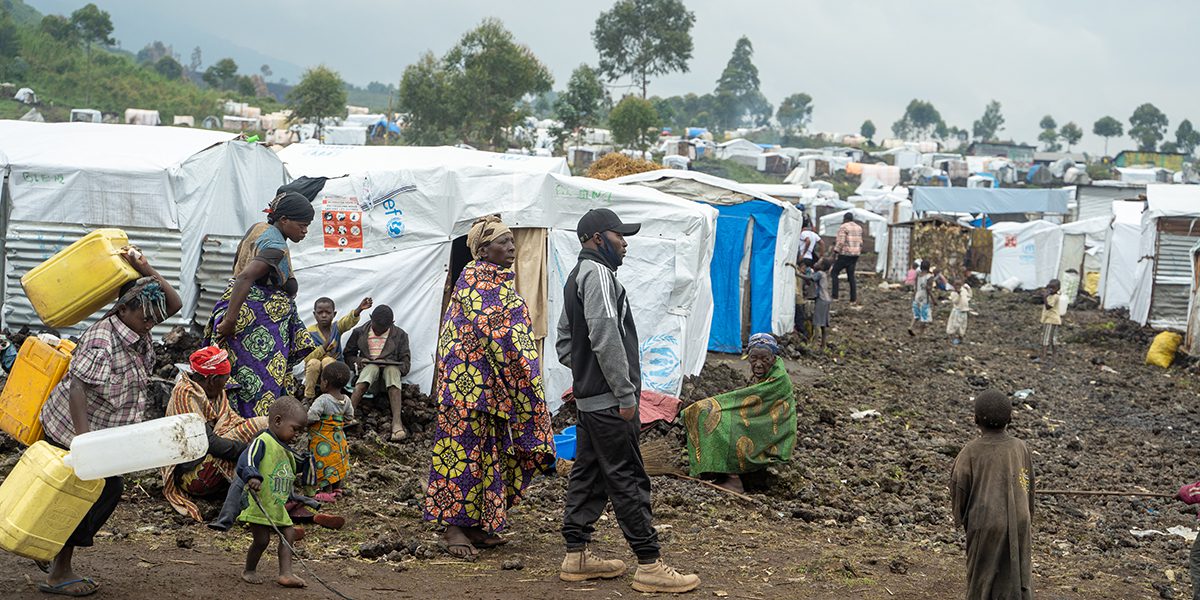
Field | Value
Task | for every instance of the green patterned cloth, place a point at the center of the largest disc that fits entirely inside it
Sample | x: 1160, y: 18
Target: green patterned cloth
x: 278, y: 469
x: 743, y: 430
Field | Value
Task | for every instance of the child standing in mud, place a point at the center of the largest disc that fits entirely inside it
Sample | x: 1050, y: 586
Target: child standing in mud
x: 991, y: 485
x: 1051, y: 319
x: 922, y: 303
x: 818, y: 277
x: 960, y: 306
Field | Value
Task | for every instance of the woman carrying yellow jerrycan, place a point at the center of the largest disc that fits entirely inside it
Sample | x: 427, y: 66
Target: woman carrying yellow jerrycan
x: 104, y: 387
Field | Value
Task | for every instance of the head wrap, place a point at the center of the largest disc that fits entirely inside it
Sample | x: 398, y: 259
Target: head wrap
x: 483, y: 232
x: 763, y: 340
x: 292, y: 205
x: 210, y: 361
x: 146, y: 293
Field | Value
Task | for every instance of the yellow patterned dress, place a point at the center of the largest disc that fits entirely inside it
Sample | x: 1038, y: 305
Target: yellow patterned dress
x: 743, y: 430
x: 493, y: 428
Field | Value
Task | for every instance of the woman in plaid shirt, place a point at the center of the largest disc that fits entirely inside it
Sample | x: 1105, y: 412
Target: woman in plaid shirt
x: 105, y: 387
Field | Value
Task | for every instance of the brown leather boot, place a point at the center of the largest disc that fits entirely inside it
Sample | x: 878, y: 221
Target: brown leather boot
x: 582, y: 565
x: 659, y: 578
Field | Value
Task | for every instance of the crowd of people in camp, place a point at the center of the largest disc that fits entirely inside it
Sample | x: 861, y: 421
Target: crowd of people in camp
x: 493, y: 431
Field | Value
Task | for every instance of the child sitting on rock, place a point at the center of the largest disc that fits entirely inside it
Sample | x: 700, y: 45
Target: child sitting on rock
x: 326, y: 335
x: 992, y: 490
x: 327, y: 440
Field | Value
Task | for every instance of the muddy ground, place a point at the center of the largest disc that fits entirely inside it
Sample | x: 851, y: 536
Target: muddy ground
x: 861, y: 512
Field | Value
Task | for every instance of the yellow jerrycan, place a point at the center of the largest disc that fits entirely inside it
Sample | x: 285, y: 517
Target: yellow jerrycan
x: 42, y: 502
x: 81, y: 279
x: 38, y: 368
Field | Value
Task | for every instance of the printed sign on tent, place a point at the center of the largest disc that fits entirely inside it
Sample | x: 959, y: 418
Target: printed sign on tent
x: 342, y: 223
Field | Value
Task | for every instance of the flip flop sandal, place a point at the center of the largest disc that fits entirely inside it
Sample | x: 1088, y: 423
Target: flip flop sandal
x: 329, y: 521
x: 61, y: 589
x: 468, y: 557
x: 325, y: 497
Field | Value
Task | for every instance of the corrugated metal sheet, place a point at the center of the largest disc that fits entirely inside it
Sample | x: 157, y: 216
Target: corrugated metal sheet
x: 1172, y: 280
x: 28, y: 244
x: 1096, y: 201
x: 216, y: 268
x: 898, y: 260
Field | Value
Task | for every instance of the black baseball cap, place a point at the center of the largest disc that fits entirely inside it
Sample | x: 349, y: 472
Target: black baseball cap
x: 599, y: 220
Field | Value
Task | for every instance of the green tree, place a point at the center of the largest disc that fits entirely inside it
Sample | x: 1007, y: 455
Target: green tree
x: 1186, y: 137
x: 223, y: 75
x: 1108, y: 127
x: 426, y: 98
x: 581, y: 104
x: 795, y: 112
x: 867, y: 130
x: 631, y: 122
x: 644, y: 38
x: 490, y: 73
x: 196, y: 60
x: 319, y: 95
x: 169, y: 67
x: 1071, y: 134
x: 991, y: 123
x: 9, y: 45
x: 920, y: 120
x: 265, y: 70
x: 92, y: 26
x: 1148, y: 126
x: 1049, y: 135
x: 738, y: 87
x: 154, y: 51
x: 59, y: 28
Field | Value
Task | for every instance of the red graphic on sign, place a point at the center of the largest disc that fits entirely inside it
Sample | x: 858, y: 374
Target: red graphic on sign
x: 341, y: 224
x: 1010, y: 241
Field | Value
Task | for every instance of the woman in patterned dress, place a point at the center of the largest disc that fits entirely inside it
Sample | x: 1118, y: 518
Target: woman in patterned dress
x: 267, y: 337
x: 493, y: 429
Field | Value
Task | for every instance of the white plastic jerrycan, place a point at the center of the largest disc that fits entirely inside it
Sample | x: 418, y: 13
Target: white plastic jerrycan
x: 149, y: 445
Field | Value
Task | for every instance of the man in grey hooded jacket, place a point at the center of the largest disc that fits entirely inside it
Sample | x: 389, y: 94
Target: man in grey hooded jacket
x: 597, y: 340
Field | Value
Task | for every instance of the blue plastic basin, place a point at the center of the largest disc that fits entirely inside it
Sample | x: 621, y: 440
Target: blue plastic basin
x: 564, y: 446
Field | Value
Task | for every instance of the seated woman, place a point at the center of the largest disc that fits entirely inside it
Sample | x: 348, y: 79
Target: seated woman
x: 745, y: 430
x: 201, y: 390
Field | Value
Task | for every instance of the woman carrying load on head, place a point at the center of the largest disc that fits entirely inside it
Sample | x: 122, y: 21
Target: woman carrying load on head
x: 266, y: 337
x: 747, y: 429
x: 104, y: 387
x: 493, y: 428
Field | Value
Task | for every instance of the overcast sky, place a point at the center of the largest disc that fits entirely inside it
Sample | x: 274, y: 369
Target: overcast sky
x: 1076, y: 60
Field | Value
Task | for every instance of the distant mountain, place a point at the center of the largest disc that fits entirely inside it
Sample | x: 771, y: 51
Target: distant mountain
x: 22, y: 13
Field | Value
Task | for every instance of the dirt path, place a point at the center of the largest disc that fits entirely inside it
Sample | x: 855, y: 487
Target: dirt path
x: 861, y: 512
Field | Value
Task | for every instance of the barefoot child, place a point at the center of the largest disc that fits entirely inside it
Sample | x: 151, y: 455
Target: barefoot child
x: 1051, y: 318
x: 327, y: 336
x: 327, y: 441
x: 269, y: 453
x: 818, y: 277
x: 960, y: 306
x: 922, y: 300
x: 992, y: 489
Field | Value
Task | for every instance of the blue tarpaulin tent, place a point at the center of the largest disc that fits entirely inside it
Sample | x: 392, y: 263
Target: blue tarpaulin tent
x: 733, y: 221
x: 990, y: 201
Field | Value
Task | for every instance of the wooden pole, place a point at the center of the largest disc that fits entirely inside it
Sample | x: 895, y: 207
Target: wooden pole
x: 1102, y: 493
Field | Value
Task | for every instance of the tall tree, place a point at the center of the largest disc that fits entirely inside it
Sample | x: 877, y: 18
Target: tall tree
x: 169, y: 68
x: 1071, y: 134
x: 1049, y: 135
x: 9, y: 45
x: 196, y: 61
x: 222, y: 75
x: 426, y: 97
x: 920, y: 120
x: 1108, y: 127
x: 867, y: 130
x: 991, y: 123
x: 1186, y: 137
x: 59, y: 28
x: 92, y: 26
x: 265, y: 70
x: 631, y: 122
x: 490, y: 73
x: 581, y: 104
x: 320, y: 94
x: 738, y: 87
x: 795, y: 112
x: 644, y: 38
x: 1148, y: 126
x: 154, y: 51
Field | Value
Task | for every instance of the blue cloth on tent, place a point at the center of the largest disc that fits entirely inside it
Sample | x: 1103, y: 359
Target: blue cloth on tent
x: 728, y: 251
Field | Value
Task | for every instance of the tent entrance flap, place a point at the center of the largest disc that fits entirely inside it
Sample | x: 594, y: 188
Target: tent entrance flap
x: 729, y: 248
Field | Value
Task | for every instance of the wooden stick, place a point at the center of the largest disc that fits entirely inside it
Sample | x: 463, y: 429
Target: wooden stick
x: 1102, y: 493
x: 711, y: 485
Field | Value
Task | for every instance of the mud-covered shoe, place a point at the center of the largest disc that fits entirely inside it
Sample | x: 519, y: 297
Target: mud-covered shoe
x: 657, y: 577
x: 582, y: 565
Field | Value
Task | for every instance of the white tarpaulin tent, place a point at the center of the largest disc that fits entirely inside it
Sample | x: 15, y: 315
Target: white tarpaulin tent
x: 1170, y: 227
x: 1118, y: 276
x: 1028, y: 251
x: 420, y: 200
x: 724, y: 193
x: 167, y: 187
x: 1082, y: 250
x: 877, y: 227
